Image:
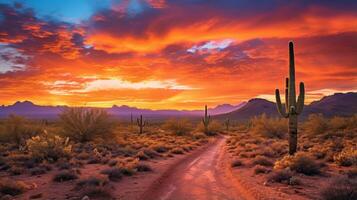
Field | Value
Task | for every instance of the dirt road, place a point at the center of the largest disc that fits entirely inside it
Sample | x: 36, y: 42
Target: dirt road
x: 201, y: 176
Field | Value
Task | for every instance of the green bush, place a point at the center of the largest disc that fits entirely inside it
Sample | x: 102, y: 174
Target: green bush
x: 269, y: 127
x: 85, y: 124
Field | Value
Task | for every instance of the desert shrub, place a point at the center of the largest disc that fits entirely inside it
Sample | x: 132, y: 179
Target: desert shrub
x: 236, y: 163
x: 347, y: 157
x: 177, y: 150
x: 65, y: 175
x: 269, y: 127
x: 84, y: 124
x: 315, y: 124
x: 300, y: 162
x: 11, y: 187
x: 91, y: 181
x: 17, y: 129
x: 114, y: 173
x: 96, y: 192
x: 258, y: 169
x: 261, y: 160
x: 338, y: 123
x: 214, y: 127
x: 160, y: 148
x: 141, y: 167
x: 341, y: 188
x: 37, y: 171
x: 48, y: 147
x: 178, y: 126
x: 280, y: 176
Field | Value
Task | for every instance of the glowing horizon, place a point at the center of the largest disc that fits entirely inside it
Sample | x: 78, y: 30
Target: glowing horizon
x: 161, y: 54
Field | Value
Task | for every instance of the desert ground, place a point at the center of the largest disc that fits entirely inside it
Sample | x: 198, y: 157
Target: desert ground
x: 176, y: 159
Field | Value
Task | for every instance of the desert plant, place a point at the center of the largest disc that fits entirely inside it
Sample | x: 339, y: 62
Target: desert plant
x: 280, y: 176
x: 340, y: 188
x: 347, y: 157
x: 262, y: 160
x: 258, y: 169
x: 206, y: 120
x: 268, y: 127
x: 17, y: 129
x: 292, y: 107
x: 315, y: 124
x: 66, y: 175
x: 226, y: 124
x: 236, y: 163
x: 11, y: 187
x: 114, y: 174
x: 300, y: 163
x: 178, y: 126
x: 84, y: 124
x: 48, y: 147
x: 141, y: 124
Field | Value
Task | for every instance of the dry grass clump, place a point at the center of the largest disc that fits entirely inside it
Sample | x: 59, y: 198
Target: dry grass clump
x: 48, y: 147
x: 280, y: 176
x: 85, y: 124
x: 11, y: 187
x: 258, y: 169
x: 269, y: 127
x: 261, y: 160
x: 214, y: 128
x: 347, y: 157
x: 96, y: 192
x: 178, y: 126
x: 141, y: 167
x: 17, y: 130
x: 315, y: 124
x: 177, y: 150
x: 340, y: 188
x: 301, y: 163
x: 114, y: 173
x: 237, y: 163
x: 65, y: 175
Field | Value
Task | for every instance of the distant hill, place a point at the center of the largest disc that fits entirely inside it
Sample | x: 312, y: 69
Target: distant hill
x: 341, y: 104
x: 31, y: 110
x: 338, y: 104
x: 254, y: 107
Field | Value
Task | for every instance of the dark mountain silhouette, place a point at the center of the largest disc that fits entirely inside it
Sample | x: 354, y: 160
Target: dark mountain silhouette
x: 341, y: 104
x: 254, y: 107
x: 338, y: 104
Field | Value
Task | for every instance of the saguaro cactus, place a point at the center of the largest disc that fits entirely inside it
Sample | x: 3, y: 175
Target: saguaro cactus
x: 227, y: 123
x: 206, y: 120
x: 292, y: 107
x: 141, y: 124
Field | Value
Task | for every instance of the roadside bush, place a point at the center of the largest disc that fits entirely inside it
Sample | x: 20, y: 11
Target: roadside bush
x: 48, y: 147
x: 280, y: 176
x: 258, y: 169
x: 236, y: 163
x: 11, y: 187
x: 85, y: 124
x: 269, y: 127
x: 347, y: 157
x: 261, y: 160
x: 214, y: 127
x: 66, y: 175
x: 178, y: 126
x: 114, y: 174
x: 300, y: 163
x: 341, y: 188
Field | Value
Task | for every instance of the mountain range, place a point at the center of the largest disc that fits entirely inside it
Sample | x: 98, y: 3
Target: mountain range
x: 341, y: 104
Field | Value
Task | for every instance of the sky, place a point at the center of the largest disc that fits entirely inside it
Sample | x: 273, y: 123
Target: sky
x: 175, y: 54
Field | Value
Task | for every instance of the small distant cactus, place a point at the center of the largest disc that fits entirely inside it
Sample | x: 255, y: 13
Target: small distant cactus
x: 141, y: 124
x: 226, y: 124
x: 292, y: 107
x: 206, y: 120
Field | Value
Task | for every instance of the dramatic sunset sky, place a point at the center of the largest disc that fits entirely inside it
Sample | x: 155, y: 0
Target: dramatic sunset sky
x: 172, y: 53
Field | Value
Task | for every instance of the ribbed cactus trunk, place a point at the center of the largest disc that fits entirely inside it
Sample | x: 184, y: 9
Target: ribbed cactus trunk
x: 292, y: 107
x: 141, y: 124
x: 206, y: 120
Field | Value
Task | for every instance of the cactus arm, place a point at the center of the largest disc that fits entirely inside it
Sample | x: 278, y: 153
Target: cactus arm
x: 292, y: 92
x: 279, y: 105
x: 301, y: 99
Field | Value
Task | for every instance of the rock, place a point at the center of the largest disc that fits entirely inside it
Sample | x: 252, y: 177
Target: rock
x: 85, y: 198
